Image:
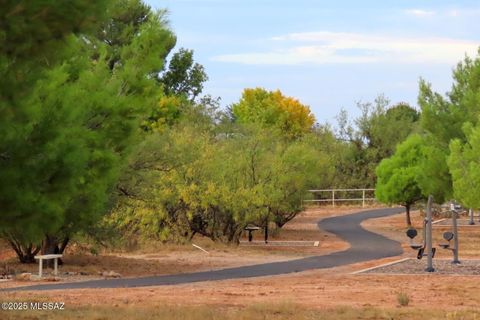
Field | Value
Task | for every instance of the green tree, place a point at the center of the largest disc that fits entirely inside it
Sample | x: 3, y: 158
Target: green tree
x: 389, y: 128
x: 33, y: 34
x: 372, y: 137
x: 298, y: 167
x: 443, y: 121
x: 463, y: 162
x: 397, y: 177
x: 453, y: 121
x: 87, y: 118
x: 184, y: 77
x: 34, y: 38
x: 415, y: 171
x: 125, y: 19
x: 447, y: 165
x: 182, y: 83
x: 198, y: 180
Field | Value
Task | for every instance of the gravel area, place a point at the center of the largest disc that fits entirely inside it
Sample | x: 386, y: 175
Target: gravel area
x: 280, y: 243
x: 460, y: 222
x: 415, y: 266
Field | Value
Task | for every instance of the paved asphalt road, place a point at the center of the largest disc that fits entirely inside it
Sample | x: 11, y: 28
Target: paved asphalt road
x: 365, y: 246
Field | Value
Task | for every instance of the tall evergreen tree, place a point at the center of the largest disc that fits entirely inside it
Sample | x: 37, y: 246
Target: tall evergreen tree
x: 84, y: 118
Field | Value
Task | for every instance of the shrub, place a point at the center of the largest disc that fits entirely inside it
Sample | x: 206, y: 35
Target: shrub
x: 403, y: 299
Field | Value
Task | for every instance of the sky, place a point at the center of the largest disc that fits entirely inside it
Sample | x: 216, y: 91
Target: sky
x: 328, y: 54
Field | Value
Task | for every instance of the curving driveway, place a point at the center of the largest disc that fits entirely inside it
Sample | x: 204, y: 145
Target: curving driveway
x: 365, y: 245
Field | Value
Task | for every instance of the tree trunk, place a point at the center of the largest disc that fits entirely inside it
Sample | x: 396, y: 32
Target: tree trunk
x: 28, y: 256
x: 51, y: 246
x: 25, y: 253
x: 266, y: 231
x: 282, y: 218
x: 407, y: 212
x: 64, y: 244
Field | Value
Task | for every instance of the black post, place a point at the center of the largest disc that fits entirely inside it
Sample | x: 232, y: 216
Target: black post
x: 428, y: 234
x: 266, y: 232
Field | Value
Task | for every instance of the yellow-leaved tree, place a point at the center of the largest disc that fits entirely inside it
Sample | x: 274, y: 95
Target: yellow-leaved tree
x: 274, y: 110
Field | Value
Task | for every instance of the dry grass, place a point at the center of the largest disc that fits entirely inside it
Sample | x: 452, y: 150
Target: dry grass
x: 317, y: 294
x: 285, y: 310
x: 403, y: 299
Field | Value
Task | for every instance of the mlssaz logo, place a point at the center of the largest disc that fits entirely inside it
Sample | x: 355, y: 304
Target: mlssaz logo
x: 47, y: 305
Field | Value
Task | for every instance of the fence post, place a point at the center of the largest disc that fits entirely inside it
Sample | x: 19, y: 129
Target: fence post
x: 333, y: 198
x: 363, y: 198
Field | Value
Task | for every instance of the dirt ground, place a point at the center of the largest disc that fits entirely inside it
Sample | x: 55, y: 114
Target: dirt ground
x: 336, y: 290
x: 169, y: 259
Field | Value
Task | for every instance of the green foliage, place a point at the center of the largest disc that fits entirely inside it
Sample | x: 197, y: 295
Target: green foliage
x: 373, y: 137
x: 464, y: 167
x: 126, y: 18
x: 435, y: 177
x: 34, y: 37
x: 167, y: 112
x: 412, y: 173
x: 184, y: 77
x: 397, y: 181
x: 64, y: 153
x: 449, y: 122
x: 198, y: 180
x: 182, y: 82
x: 271, y: 109
x: 390, y: 127
x: 441, y: 119
x: 31, y: 31
x: 444, y: 117
x: 446, y: 152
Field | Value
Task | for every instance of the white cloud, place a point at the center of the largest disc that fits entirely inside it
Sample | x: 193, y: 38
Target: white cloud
x: 441, y: 14
x: 325, y: 47
x: 420, y: 13
x: 454, y: 13
x: 463, y: 13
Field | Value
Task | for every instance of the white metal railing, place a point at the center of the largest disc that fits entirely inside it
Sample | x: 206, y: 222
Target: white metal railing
x: 332, y: 198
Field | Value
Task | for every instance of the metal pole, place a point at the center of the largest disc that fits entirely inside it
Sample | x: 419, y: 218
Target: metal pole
x: 428, y: 227
x: 333, y: 198
x: 455, y: 237
x: 363, y: 198
x: 470, y: 213
x: 425, y: 221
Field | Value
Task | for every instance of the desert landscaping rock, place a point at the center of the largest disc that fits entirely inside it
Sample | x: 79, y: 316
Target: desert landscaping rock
x: 111, y: 274
x: 443, y: 266
x: 24, y: 276
x: 460, y: 222
x: 52, y: 279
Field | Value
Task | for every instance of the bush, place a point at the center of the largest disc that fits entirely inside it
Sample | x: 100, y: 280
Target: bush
x: 403, y: 299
